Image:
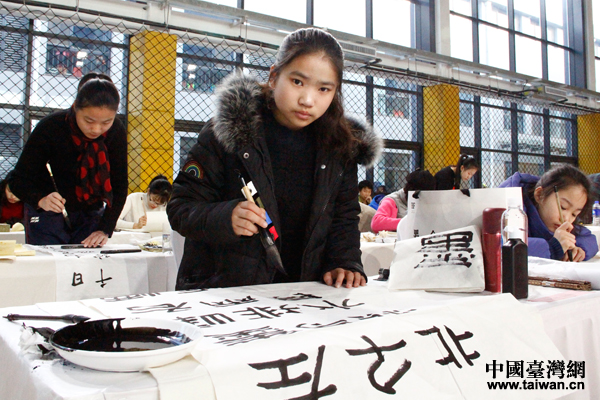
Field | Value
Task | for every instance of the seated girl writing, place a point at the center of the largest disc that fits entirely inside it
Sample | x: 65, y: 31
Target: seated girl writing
x: 548, y: 236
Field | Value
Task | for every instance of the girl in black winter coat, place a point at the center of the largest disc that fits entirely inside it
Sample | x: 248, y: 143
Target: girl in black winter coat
x: 289, y: 140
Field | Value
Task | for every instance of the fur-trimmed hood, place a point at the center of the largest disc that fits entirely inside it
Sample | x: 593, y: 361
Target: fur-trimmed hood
x: 238, y: 119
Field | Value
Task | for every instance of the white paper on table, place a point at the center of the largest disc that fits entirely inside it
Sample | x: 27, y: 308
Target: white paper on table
x: 154, y: 223
x: 555, y: 269
x: 450, y: 261
x: 493, y: 328
x: 443, y: 210
x: 86, y: 273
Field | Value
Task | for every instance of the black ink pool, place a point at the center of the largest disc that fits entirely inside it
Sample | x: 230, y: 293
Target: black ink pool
x: 108, y: 335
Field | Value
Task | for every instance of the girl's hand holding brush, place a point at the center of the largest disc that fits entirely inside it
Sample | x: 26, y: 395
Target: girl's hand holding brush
x: 53, y: 202
x: 245, y: 218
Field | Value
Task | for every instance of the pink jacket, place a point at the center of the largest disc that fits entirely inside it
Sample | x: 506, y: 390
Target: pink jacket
x: 385, y: 217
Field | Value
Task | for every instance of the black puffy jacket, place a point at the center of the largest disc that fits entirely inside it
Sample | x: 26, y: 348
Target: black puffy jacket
x: 208, y: 188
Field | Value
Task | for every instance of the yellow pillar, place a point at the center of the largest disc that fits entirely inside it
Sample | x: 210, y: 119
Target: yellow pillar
x: 151, y: 107
x: 441, y: 128
x: 588, y: 134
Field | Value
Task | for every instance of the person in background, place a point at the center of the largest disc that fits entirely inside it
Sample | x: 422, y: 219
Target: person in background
x: 393, y: 207
x: 11, y: 207
x: 451, y: 177
x: 289, y: 139
x: 86, y: 148
x: 138, y: 204
x: 365, y: 190
x: 548, y: 236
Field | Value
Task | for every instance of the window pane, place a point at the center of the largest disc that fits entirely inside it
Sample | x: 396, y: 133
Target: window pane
x: 467, y: 133
x: 392, y: 168
x: 327, y: 14
x: 556, y: 21
x: 461, y: 6
x: 558, y: 64
x: 597, y: 75
x: 495, y: 168
x: 527, y: 17
x: 393, y: 22
x: 531, y: 165
x: 461, y: 38
x: 494, y: 11
x: 294, y: 10
x: 561, y: 137
x: 529, y: 56
x: 530, y: 129
x: 596, y: 23
x: 495, y: 129
x: 493, y: 47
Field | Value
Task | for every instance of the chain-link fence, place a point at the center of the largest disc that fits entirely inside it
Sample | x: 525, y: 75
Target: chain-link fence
x: 167, y: 81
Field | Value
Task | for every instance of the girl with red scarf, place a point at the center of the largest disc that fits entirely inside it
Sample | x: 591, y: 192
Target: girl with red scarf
x: 86, y: 148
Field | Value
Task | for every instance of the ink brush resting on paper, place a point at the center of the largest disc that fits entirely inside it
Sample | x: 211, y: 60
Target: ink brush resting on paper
x: 64, y: 211
x: 273, y: 257
x: 562, y: 219
x: 560, y: 283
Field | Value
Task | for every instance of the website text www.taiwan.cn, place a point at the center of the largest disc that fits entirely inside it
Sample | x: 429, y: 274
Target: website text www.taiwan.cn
x: 536, y: 375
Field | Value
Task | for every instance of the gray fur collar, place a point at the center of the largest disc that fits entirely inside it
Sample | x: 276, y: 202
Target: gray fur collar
x: 238, y: 119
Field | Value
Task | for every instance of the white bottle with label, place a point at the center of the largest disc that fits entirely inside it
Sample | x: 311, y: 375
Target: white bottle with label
x: 515, y: 217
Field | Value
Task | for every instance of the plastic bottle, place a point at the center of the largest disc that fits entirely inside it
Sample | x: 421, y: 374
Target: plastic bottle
x: 596, y: 214
x: 514, y: 264
x: 492, y: 249
x: 166, y: 238
x: 514, y: 216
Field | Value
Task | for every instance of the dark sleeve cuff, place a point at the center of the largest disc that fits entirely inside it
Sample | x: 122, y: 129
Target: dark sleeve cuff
x: 556, y: 251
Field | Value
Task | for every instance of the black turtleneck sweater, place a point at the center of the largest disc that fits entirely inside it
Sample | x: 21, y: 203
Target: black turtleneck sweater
x: 293, y: 155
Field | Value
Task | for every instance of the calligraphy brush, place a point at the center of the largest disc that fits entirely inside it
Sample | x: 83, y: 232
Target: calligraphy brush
x: 64, y: 211
x: 273, y: 257
x: 562, y: 220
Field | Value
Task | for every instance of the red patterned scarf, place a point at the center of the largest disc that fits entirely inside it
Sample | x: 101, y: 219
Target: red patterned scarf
x: 93, y: 171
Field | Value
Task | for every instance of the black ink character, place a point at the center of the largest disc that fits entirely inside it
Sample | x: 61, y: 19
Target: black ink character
x: 267, y: 312
x: 456, y: 339
x: 387, y: 387
x: 286, y: 381
x: 297, y: 297
x: 228, y: 302
x: 249, y: 335
x: 77, y: 279
x: 168, y: 307
x: 344, y: 305
x: 446, y: 249
x: 209, y: 319
x: 102, y: 280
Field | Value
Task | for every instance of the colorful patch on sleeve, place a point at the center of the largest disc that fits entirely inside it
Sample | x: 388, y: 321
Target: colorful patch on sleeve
x: 194, y: 168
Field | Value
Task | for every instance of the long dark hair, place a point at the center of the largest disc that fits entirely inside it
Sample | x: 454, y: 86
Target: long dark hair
x: 467, y: 161
x: 335, y: 131
x: 562, y: 176
x: 97, y: 92
x: 161, y: 187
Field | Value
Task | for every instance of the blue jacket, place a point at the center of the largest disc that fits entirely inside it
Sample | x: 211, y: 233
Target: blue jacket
x: 541, y: 241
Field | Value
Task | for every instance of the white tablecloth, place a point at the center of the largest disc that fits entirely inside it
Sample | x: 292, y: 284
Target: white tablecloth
x: 571, y: 319
x: 375, y: 256
x: 33, y: 279
x: 122, y: 237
